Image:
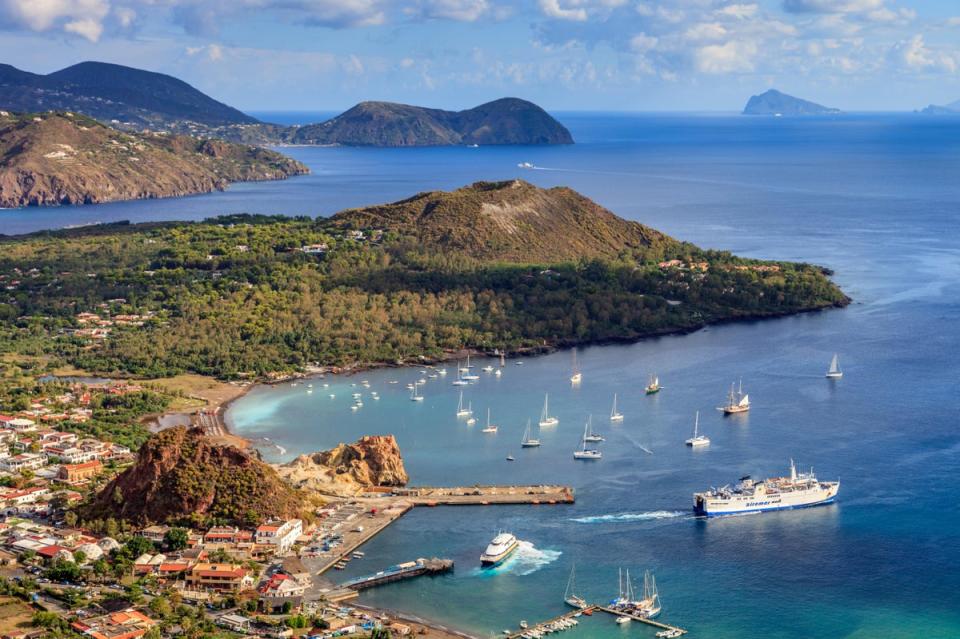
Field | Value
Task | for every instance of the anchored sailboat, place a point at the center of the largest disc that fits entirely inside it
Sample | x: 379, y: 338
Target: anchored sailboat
x: 591, y: 436
x: 698, y: 439
x: 462, y: 411
x: 614, y: 415
x: 654, y: 385
x: 834, y: 372
x: 529, y: 441
x: 570, y: 596
x: 584, y: 452
x: 459, y: 381
x: 415, y: 396
x: 737, y: 401
x: 577, y: 376
x: 490, y: 428
x: 545, y: 418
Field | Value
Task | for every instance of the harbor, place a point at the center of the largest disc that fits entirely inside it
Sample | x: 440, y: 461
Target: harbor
x: 561, y: 622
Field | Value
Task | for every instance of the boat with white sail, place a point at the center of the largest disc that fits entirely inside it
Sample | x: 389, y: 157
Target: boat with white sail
x: 497, y: 551
x: 570, y: 596
x: 697, y: 440
x: 653, y: 386
x: 798, y: 490
x: 576, y: 377
x: 615, y: 415
x: 591, y: 436
x: 529, y: 441
x: 545, y: 418
x: 737, y: 401
x: 489, y: 428
x: 834, y: 371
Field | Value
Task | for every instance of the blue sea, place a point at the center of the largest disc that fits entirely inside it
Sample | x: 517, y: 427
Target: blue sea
x: 873, y: 197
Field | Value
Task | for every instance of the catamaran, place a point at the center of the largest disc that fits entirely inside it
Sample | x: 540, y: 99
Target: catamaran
x: 654, y: 385
x: 545, y: 418
x: 591, y: 436
x: 698, y: 439
x: 570, y: 596
x: 577, y: 376
x: 584, y: 452
x: 490, y: 428
x: 416, y: 396
x: 463, y: 411
x: 737, y: 401
x: 834, y: 372
x: 529, y: 441
x: 614, y: 415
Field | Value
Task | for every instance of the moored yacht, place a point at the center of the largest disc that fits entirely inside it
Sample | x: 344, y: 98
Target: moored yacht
x: 615, y: 416
x: 501, y: 547
x: 529, y: 441
x: 697, y: 440
x: 545, y: 418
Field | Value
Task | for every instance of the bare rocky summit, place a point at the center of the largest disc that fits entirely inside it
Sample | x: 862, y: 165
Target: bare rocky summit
x: 349, y: 469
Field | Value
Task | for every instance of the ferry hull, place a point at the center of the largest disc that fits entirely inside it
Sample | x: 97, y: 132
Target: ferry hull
x: 489, y: 561
x: 703, y: 509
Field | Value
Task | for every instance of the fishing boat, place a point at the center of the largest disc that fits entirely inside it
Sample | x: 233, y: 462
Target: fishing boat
x: 614, y: 415
x: 577, y: 376
x: 584, y: 452
x: 570, y: 596
x: 737, y: 401
x: 490, y: 428
x: 697, y: 439
x: 415, y: 396
x: 462, y: 411
x: 654, y: 385
x: 834, y: 371
x: 591, y: 436
x: 545, y: 418
x: 529, y: 441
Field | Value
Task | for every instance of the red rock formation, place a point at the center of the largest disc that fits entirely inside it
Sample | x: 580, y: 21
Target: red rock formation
x: 374, y: 460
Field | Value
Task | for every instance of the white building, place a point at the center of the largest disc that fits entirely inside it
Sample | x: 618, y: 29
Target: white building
x: 281, y: 534
x: 22, y: 462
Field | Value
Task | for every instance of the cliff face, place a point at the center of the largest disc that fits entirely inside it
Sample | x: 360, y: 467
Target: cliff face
x: 348, y: 469
x: 504, y: 121
x: 180, y: 474
x: 71, y: 159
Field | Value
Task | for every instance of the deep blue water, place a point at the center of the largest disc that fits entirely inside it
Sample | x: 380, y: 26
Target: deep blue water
x: 875, y: 198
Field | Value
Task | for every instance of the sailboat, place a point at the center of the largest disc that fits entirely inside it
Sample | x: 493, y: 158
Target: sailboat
x: 584, y: 452
x: 459, y: 381
x: 545, y: 418
x: 614, y: 415
x: 591, y: 436
x: 471, y: 420
x: 737, y: 402
x: 835, y: 372
x: 654, y: 385
x: 698, y: 439
x: 499, y: 371
x: 503, y: 361
x: 577, y: 376
x: 466, y: 369
x: 570, y: 596
x: 415, y: 396
x: 462, y: 411
x: 529, y: 441
x: 490, y: 428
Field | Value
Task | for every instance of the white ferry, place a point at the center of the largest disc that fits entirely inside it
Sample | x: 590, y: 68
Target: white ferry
x: 502, y: 546
x: 799, y: 490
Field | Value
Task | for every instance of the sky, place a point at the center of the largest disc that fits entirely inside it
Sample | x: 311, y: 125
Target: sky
x: 619, y: 55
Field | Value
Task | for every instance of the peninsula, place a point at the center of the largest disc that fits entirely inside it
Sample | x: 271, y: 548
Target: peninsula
x: 66, y: 158
x: 492, y: 265
x: 774, y: 102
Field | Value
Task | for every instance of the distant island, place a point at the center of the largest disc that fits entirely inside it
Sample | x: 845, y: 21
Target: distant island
x: 947, y: 109
x: 774, y: 102
x: 134, y: 99
x: 493, y: 265
x: 66, y: 158
x: 504, y: 121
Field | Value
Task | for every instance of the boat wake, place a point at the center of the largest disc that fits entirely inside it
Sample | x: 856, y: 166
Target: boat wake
x: 280, y: 449
x: 526, y: 560
x: 620, y: 517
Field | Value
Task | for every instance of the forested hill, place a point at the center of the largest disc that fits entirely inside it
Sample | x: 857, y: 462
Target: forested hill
x: 245, y: 296
x: 511, y: 221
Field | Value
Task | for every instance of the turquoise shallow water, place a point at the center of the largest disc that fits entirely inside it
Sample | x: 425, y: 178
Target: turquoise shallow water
x: 875, y: 198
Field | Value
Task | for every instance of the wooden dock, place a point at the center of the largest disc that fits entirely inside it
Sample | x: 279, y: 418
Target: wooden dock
x: 567, y: 615
x: 649, y: 622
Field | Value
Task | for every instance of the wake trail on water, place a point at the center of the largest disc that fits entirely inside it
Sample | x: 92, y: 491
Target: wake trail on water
x: 638, y: 445
x: 526, y: 560
x: 622, y: 517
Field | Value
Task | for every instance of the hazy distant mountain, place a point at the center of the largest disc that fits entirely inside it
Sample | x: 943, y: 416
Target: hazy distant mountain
x: 112, y: 92
x: 947, y: 109
x: 774, y: 102
x: 504, y: 121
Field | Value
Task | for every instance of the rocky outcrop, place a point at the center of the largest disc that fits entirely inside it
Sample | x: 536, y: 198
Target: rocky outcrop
x: 71, y: 159
x: 348, y: 469
x: 180, y: 474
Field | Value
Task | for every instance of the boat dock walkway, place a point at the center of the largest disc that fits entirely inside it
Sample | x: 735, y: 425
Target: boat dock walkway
x: 567, y: 615
x: 649, y: 622
x: 401, y: 571
x: 488, y: 495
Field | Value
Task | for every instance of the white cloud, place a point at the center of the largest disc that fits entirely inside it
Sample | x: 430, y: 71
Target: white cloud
x: 458, y: 10
x: 706, y: 31
x: 641, y: 43
x: 731, y: 57
x: 79, y: 17
x: 742, y: 11
x: 569, y: 10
